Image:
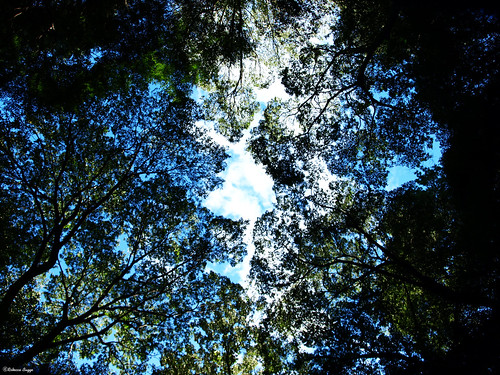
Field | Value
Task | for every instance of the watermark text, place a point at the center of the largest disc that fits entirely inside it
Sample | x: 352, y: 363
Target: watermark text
x: 15, y: 369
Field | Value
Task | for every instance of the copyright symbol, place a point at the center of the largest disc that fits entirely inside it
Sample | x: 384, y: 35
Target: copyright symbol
x: 4, y: 369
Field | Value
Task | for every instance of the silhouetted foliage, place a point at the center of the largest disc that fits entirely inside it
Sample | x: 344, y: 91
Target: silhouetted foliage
x: 400, y: 281
x: 103, y: 169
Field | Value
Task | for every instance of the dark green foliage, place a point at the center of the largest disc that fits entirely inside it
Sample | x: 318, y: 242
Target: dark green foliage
x: 64, y: 52
x: 215, y: 334
x: 108, y: 199
x: 102, y: 173
x: 401, y: 281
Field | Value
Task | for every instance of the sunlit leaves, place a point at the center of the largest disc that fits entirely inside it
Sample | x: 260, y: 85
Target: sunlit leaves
x: 218, y: 337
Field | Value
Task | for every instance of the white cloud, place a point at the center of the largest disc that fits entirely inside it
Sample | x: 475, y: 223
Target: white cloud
x: 275, y: 90
x: 247, y: 189
x: 247, y: 192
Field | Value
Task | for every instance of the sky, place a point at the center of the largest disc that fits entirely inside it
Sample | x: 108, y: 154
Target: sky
x: 398, y: 175
x: 247, y: 191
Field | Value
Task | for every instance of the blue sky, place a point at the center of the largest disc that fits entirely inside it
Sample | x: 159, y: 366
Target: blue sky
x: 398, y: 175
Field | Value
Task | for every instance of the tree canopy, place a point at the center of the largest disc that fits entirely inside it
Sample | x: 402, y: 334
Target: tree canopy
x: 402, y: 281
x: 106, y: 157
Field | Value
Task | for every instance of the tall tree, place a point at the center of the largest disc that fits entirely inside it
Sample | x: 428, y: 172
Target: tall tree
x: 221, y: 340
x: 63, y: 52
x: 104, y: 229
x: 367, y: 278
x: 103, y: 171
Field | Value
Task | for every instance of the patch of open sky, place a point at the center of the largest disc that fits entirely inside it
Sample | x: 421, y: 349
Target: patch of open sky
x: 399, y: 175
x: 247, y: 191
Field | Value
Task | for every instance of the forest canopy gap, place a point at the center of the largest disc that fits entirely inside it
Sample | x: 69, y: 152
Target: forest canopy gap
x: 105, y: 240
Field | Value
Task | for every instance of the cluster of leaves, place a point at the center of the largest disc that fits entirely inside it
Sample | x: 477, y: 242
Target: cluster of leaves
x: 61, y: 52
x: 104, y: 222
